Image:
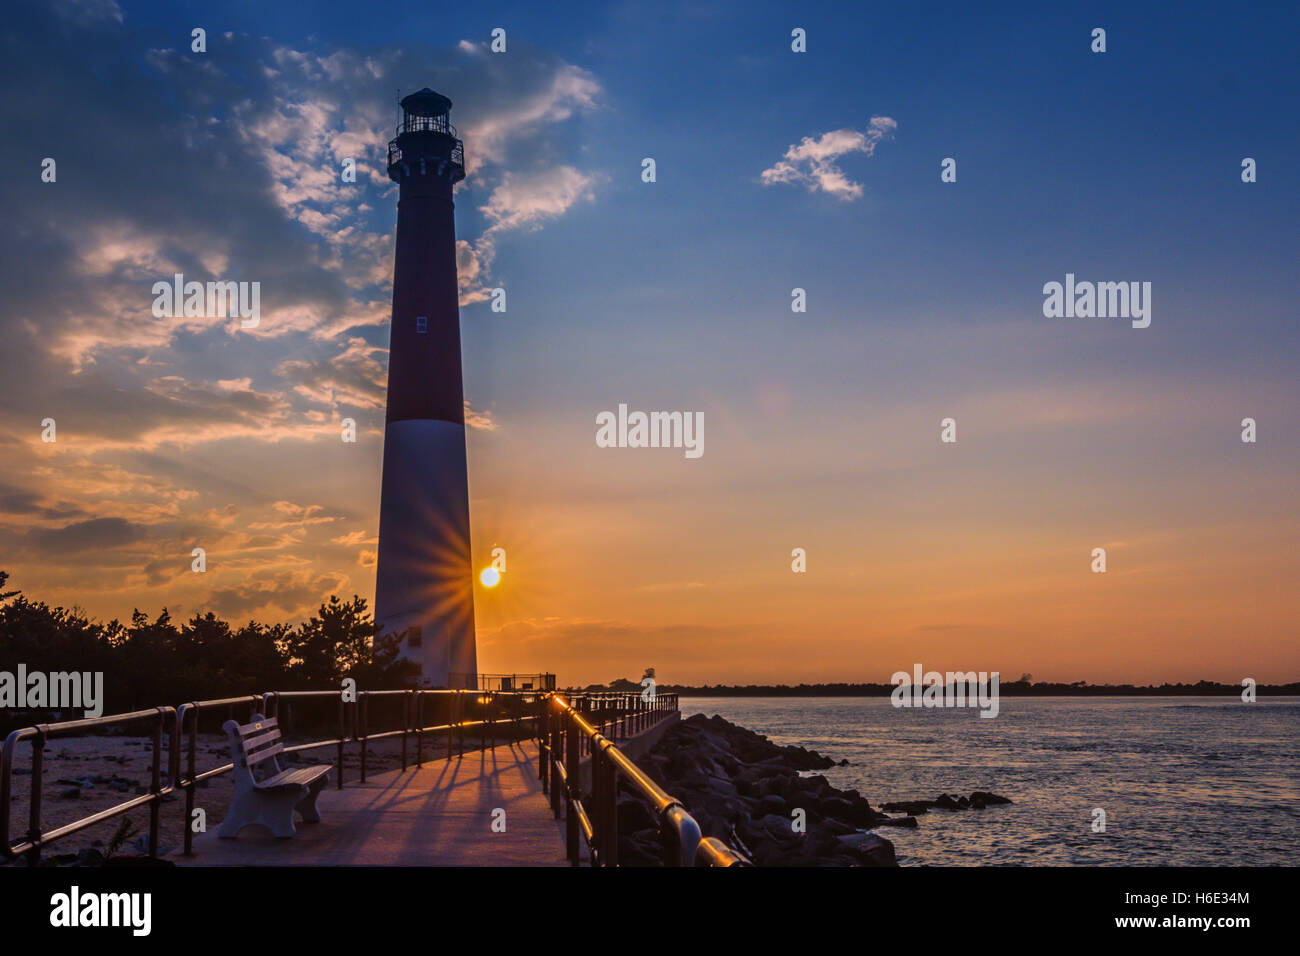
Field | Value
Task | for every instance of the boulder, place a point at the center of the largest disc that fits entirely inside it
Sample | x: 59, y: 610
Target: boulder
x: 976, y: 801
x: 641, y: 848
x: 909, y: 822
x: 910, y: 807
x: 742, y: 788
x: 877, y: 851
x: 772, y: 803
x: 635, y: 815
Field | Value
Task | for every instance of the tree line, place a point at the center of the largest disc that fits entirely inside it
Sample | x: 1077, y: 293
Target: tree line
x: 150, y: 662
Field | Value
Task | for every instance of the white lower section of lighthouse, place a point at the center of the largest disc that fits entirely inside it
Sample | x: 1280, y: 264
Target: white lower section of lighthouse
x: 425, y: 588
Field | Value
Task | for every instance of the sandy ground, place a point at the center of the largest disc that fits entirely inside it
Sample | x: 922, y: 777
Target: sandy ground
x: 87, y: 774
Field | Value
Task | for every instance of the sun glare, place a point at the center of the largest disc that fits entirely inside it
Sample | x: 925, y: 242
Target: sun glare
x: 490, y: 577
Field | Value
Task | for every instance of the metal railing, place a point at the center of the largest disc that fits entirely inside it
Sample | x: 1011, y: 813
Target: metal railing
x: 570, y: 728
x: 164, y: 722
x: 488, y: 714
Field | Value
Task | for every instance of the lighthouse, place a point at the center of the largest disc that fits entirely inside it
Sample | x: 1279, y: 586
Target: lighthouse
x: 424, y: 576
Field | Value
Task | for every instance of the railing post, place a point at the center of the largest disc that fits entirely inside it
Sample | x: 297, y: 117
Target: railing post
x: 596, y: 808
x: 189, y: 775
x: 556, y: 755
x: 174, y: 751
x: 343, y: 733
x: 406, y: 724
x: 543, y: 746
x: 610, y: 845
x: 419, y: 728
x: 363, y: 728
x: 38, y: 784
x: 574, y: 789
x: 460, y: 722
x: 155, y: 803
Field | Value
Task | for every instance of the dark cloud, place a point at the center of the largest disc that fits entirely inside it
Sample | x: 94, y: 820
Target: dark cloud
x: 95, y: 533
x: 287, y: 592
x: 23, y: 503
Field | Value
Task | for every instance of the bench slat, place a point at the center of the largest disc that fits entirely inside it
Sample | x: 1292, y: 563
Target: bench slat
x: 252, y: 743
x: 265, y: 724
x: 263, y: 754
x: 303, y: 775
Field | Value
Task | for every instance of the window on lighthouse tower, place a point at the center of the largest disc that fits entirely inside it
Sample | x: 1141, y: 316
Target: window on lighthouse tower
x: 421, y: 323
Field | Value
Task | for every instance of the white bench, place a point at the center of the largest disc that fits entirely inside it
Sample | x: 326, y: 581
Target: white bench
x: 271, y: 800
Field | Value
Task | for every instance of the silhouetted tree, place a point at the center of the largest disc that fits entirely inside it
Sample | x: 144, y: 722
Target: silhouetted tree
x: 151, y: 662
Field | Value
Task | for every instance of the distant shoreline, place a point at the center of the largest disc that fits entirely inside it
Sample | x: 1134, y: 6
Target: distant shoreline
x: 1006, y: 689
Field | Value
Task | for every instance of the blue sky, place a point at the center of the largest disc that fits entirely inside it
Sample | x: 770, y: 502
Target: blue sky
x: 924, y: 301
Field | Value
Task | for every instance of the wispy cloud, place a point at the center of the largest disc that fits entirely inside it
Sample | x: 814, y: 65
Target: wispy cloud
x: 523, y: 202
x: 812, y: 163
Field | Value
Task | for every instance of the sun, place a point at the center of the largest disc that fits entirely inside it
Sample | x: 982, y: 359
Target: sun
x: 490, y: 577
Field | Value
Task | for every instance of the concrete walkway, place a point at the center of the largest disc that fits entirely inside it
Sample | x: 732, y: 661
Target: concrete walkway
x: 437, y: 815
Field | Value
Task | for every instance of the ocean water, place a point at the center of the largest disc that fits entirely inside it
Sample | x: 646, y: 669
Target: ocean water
x: 1183, y: 781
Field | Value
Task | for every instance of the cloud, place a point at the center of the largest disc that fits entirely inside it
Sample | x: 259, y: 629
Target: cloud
x: 534, y: 97
x: 255, y: 138
x: 167, y: 427
x: 173, y: 410
x: 812, y: 162
x: 525, y: 201
x: 480, y: 420
x: 355, y: 376
x: 95, y: 533
x: 293, y: 516
x: 472, y: 264
x: 353, y: 538
x: 21, y: 502
x: 284, y: 593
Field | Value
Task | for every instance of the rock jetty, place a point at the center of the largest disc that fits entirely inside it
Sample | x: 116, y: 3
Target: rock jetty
x: 747, y: 791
